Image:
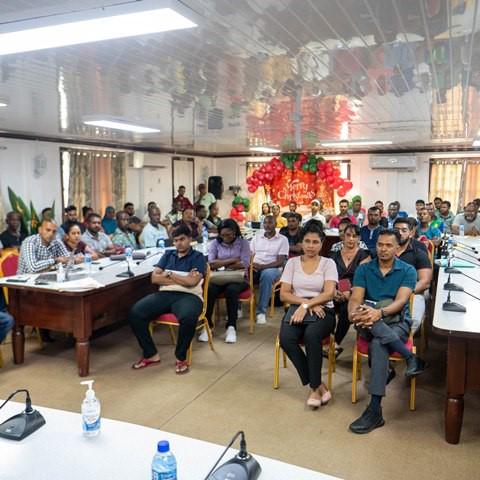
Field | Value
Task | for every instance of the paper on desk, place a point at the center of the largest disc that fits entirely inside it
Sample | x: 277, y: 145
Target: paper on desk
x: 457, y: 262
x: 79, y: 285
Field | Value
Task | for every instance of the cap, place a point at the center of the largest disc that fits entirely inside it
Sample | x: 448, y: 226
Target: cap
x: 315, y: 201
x: 163, y: 446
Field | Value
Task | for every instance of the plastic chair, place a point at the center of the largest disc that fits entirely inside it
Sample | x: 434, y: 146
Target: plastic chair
x: 170, y: 320
x: 330, y: 341
x: 247, y: 296
x: 8, y: 265
x: 360, y: 350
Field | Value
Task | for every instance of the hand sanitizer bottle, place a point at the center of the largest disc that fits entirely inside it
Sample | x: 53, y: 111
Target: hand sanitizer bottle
x: 60, y: 273
x: 205, y: 241
x: 90, y: 411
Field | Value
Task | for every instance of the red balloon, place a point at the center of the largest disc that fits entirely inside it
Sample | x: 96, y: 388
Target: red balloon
x: 249, y: 180
x: 336, y: 172
x: 269, y: 177
x: 329, y: 167
x: 297, y: 164
x: 337, y: 182
x: 261, y: 177
x: 302, y: 158
x: 347, y: 185
x: 240, y: 217
x: 329, y: 178
x: 260, y: 183
x: 341, y: 192
x: 263, y: 169
x: 268, y: 168
x: 252, y: 188
x: 233, y: 213
x: 240, y: 207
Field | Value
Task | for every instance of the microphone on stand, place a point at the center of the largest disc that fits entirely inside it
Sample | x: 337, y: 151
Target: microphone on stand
x: 468, y: 247
x: 24, y: 424
x: 466, y: 254
x: 149, y: 257
x: 115, y: 262
x: 450, y: 306
x: 241, y: 467
x: 452, y: 286
x: 128, y: 273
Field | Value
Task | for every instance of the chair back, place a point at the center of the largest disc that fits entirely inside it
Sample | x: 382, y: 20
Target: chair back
x: 250, y: 273
x: 9, y: 262
x: 206, y: 282
x: 430, y: 249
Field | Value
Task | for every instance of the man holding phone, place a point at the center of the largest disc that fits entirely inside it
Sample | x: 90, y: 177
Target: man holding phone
x: 377, y: 306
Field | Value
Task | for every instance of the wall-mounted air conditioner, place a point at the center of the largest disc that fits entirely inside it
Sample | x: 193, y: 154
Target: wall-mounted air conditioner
x: 393, y: 162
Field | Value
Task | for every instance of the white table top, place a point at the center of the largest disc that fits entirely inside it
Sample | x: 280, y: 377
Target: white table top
x: 453, y: 321
x: 122, y: 451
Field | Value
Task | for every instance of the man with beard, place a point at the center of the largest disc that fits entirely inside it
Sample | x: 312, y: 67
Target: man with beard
x: 95, y: 238
x: 469, y: 219
x: 369, y: 233
x: 414, y: 253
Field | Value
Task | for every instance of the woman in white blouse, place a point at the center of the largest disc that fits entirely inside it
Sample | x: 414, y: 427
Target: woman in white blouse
x: 308, y: 285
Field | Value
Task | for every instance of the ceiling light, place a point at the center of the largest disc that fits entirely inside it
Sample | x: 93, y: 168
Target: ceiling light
x: 265, y: 149
x: 3, y: 104
x: 356, y: 143
x: 476, y: 143
x: 117, y: 21
x: 118, y: 124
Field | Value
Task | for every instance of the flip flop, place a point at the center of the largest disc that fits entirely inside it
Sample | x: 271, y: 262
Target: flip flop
x: 181, y: 367
x: 144, y: 362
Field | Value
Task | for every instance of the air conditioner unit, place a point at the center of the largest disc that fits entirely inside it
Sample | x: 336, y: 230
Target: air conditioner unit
x: 393, y: 162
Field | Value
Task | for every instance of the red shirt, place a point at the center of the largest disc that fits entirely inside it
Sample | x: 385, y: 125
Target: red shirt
x: 335, y: 221
x: 183, y: 202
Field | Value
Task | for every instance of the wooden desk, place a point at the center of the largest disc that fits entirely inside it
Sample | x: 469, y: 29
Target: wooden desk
x: 463, y: 352
x: 78, y: 313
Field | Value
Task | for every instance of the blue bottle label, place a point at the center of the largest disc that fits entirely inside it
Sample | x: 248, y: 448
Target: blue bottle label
x: 171, y: 475
x: 89, y: 427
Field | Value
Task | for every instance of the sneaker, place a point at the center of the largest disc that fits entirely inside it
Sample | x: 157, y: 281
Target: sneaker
x: 261, y: 319
x: 369, y: 420
x: 203, y: 337
x: 231, y: 335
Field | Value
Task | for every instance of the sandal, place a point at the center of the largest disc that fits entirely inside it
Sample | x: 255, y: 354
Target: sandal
x: 144, y: 362
x: 181, y: 367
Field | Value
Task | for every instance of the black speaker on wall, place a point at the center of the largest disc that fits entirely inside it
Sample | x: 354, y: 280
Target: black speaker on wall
x: 215, y: 186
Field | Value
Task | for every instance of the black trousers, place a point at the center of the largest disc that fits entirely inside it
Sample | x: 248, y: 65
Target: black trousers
x: 343, y: 324
x: 308, y: 363
x: 231, y: 292
x: 185, y: 306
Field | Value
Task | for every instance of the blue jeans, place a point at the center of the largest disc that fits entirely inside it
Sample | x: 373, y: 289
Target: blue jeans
x: 266, y: 278
x: 6, y: 324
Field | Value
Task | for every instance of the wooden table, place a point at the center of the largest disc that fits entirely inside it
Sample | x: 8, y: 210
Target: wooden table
x: 463, y: 352
x: 78, y: 313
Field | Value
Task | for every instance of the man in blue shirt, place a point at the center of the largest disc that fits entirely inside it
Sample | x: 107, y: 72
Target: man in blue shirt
x: 6, y: 320
x: 369, y: 233
x: 385, y: 282
x: 179, y: 275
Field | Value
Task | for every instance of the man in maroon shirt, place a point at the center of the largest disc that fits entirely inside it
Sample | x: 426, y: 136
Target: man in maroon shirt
x: 182, y: 201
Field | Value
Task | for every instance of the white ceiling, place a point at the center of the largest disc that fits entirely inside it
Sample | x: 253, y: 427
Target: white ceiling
x: 400, y: 70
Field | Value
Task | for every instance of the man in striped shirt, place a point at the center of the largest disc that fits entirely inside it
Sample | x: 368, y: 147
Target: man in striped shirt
x: 42, y: 251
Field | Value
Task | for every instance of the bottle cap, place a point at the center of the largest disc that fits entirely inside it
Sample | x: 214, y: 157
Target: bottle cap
x: 90, y: 393
x: 163, y: 446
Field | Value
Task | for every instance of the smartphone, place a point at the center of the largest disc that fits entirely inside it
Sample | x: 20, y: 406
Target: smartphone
x: 370, y: 303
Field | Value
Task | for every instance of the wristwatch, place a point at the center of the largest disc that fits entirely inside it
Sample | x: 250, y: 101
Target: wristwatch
x: 382, y: 311
x: 305, y: 306
x: 169, y: 273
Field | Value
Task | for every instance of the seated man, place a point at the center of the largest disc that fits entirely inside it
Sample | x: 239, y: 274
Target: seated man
x: 192, y: 222
x: 201, y: 213
x: 47, y: 214
x: 13, y: 236
x: 315, y: 214
x: 357, y: 210
x: 292, y: 208
x: 179, y: 275
x: 122, y: 236
x: 335, y: 221
x: 129, y: 207
x: 154, y: 230
x: 292, y: 232
x: 71, y: 216
x: 446, y: 216
x: 204, y: 198
x: 388, y: 281
x: 426, y: 228
x: 6, y: 320
x: 174, y: 215
x: 95, y: 238
x: 271, y: 251
x: 414, y: 253
x: 109, y: 224
x: 469, y: 219
x: 41, y: 251
x: 369, y: 233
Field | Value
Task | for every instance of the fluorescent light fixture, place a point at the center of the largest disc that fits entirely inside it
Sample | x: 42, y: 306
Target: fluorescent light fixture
x: 476, y: 143
x: 118, y: 124
x: 356, y: 143
x: 265, y: 149
x: 117, y: 21
x: 3, y: 104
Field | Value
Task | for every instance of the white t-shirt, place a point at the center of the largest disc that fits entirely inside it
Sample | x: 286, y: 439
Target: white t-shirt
x: 317, y: 216
x: 309, y: 285
x: 267, y: 250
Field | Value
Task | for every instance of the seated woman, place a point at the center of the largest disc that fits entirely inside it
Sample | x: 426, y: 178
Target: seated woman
x: 308, y: 285
x: 347, y: 259
x: 72, y: 242
x: 229, y: 251
x: 265, y: 211
x: 280, y: 222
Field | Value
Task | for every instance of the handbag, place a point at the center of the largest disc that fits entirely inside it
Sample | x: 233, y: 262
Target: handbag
x: 225, y: 277
x: 308, y: 318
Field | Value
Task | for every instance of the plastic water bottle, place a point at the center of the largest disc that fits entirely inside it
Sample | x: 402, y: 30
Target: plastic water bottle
x: 60, y: 273
x: 205, y: 241
x: 90, y: 411
x: 462, y: 230
x: 360, y: 219
x: 164, y: 464
x: 128, y: 255
x: 88, y: 263
x: 161, y: 243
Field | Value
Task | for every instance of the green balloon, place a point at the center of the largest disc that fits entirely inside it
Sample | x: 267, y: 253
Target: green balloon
x: 312, y: 168
x: 305, y: 167
x: 237, y: 200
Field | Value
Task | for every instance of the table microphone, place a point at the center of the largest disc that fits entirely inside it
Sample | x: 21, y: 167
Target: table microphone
x: 241, y: 467
x: 468, y: 247
x: 24, y: 424
x: 111, y: 264
x: 450, y: 306
x: 466, y: 254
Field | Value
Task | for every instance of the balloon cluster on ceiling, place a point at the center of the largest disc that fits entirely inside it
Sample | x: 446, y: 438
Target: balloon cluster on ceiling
x: 317, y: 166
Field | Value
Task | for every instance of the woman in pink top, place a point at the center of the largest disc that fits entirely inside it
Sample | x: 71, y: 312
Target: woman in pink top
x: 308, y: 285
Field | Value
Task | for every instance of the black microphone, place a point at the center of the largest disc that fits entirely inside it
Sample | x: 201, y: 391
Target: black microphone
x: 466, y: 246
x: 450, y: 306
x: 24, y: 424
x: 149, y: 257
x: 466, y: 254
x: 112, y: 264
x: 241, y: 467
